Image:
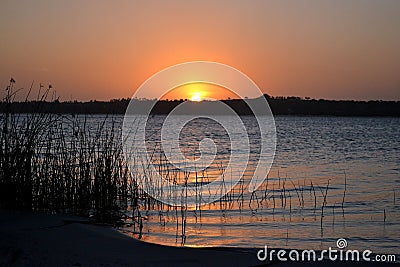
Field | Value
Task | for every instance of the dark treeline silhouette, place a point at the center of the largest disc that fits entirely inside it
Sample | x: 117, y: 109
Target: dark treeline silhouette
x: 279, y: 106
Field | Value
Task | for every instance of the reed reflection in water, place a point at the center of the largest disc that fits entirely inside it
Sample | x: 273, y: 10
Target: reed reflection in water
x: 323, y: 185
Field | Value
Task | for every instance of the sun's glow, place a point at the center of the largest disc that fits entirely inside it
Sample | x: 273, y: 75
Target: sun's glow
x: 196, y: 97
x: 197, y: 92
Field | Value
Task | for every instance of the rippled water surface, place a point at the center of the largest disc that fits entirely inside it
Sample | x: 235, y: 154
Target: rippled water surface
x: 332, y: 177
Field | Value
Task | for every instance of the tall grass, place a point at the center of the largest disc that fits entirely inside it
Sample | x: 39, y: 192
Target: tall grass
x: 62, y: 164
x: 66, y: 164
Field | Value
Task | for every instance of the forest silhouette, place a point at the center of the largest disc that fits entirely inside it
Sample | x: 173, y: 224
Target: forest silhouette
x: 278, y: 105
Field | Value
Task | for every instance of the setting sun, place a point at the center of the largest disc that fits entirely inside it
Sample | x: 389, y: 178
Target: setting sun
x: 199, y: 92
x: 196, y: 97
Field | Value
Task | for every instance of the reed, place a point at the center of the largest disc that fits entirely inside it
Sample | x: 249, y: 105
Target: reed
x: 384, y: 216
x: 324, y: 195
x: 344, y: 192
x: 68, y: 164
x: 61, y: 164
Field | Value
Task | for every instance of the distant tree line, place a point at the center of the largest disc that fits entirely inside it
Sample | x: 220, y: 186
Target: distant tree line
x: 278, y: 105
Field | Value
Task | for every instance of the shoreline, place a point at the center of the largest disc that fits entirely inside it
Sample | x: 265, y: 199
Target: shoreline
x: 35, y: 239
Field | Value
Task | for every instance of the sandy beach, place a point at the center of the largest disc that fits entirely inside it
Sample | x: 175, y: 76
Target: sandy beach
x: 30, y: 239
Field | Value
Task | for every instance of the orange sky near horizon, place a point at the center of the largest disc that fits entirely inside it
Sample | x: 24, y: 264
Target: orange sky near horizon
x: 320, y: 49
x: 199, y: 91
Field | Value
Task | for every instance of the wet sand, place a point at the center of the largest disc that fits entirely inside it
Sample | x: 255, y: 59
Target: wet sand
x: 31, y: 239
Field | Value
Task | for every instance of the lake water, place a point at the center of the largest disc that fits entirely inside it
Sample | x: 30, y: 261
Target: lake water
x: 359, y: 157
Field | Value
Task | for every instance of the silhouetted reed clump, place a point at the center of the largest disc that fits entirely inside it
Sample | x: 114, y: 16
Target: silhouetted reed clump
x: 62, y: 164
x: 75, y: 165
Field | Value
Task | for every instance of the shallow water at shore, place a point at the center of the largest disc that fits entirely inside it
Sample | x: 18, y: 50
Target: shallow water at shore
x: 357, y: 155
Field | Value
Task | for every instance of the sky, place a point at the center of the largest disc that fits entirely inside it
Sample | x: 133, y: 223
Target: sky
x: 106, y: 49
